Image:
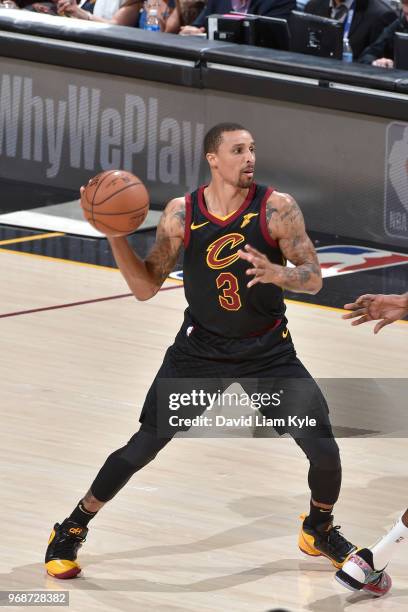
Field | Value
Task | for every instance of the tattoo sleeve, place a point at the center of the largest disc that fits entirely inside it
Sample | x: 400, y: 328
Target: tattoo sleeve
x: 270, y: 210
x: 286, y: 224
x: 170, y: 232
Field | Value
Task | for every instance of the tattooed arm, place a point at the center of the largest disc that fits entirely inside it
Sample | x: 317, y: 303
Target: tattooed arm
x: 286, y: 225
x: 146, y: 277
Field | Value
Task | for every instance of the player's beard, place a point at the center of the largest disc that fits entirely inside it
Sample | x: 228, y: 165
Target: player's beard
x: 245, y: 181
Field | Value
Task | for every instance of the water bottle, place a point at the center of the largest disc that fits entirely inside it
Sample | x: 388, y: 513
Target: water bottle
x: 347, y: 51
x: 142, y: 19
x: 152, y: 22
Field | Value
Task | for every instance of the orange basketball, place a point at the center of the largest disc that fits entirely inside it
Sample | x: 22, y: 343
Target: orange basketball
x: 115, y: 202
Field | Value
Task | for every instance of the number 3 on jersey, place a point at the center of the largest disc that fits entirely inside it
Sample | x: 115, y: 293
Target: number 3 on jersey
x: 229, y: 298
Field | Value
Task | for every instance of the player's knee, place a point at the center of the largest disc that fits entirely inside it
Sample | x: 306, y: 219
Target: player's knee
x: 325, y: 455
x: 120, y: 466
x: 141, y: 449
x: 330, y: 456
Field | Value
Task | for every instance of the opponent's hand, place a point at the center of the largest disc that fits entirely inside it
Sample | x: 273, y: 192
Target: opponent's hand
x: 263, y: 271
x: 369, y: 307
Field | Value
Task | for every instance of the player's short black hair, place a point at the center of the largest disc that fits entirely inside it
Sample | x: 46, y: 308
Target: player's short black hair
x: 213, y: 137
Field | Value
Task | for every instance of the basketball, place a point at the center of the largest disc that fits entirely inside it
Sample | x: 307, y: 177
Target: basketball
x: 115, y: 202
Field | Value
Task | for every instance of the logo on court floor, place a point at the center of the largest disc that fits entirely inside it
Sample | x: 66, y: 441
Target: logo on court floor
x: 177, y: 275
x: 339, y: 259
x: 396, y: 181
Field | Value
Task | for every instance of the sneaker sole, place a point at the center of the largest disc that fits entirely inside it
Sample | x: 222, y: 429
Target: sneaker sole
x: 364, y: 589
x: 66, y: 575
x: 346, y: 585
x: 336, y: 564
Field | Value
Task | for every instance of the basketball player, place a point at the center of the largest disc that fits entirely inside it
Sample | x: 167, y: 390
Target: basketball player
x: 236, y: 236
x: 365, y: 570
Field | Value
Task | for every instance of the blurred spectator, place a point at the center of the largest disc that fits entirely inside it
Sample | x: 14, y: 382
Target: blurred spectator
x: 102, y: 8
x: 185, y: 12
x: 381, y: 52
x: 116, y: 12
x: 270, y: 8
x: 49, y: 7
x: 369, y: 18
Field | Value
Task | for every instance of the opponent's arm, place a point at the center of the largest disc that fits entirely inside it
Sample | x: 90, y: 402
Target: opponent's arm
x: 387, y: 308
x: 145, y: 277
x: 286, y: 225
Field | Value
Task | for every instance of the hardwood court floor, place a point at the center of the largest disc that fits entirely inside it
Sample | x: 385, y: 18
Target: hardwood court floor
x: 212, y: 524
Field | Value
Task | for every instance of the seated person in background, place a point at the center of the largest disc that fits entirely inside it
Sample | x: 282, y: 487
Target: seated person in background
x: 102, y: 8
x: 116, y: 12
x: 185, y: 12
x: 381, y: 52
x: 49, y: 7
x: 369, y: 18
x: 269, y: 8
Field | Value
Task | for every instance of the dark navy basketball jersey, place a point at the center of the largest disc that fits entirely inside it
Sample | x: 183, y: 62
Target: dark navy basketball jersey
x: 215, y: 279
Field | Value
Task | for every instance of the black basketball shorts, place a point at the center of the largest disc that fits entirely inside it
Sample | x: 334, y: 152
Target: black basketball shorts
x: 266, y: 364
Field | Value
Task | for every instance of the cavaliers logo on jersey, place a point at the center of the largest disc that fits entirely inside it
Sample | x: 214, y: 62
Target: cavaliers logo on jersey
x: 219, y: 252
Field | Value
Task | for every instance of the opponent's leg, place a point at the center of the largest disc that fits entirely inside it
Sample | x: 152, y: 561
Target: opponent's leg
x: 365, y: 570
x: 66, y: 538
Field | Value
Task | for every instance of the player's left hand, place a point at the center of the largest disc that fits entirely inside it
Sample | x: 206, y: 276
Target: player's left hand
x: 81, y: 198
x: 263, y: 271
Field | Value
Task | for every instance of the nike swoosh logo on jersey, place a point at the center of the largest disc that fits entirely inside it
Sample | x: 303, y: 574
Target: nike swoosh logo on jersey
x: 193, y: 226
x: 285, y: 333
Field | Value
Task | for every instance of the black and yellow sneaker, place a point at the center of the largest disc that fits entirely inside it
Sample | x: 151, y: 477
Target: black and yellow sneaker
x: 65, y: 541
x: 325, y: 540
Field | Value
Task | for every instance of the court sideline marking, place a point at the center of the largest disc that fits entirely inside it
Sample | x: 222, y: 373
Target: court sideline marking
x: 81, y: 303
x: 30, y: 238
x: 114, y: 297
